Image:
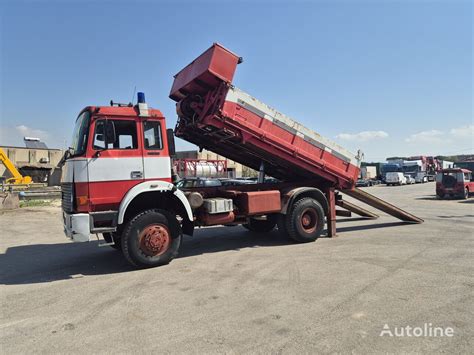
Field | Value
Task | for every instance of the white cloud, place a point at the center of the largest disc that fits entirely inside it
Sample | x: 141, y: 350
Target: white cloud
x: 13, y: 136
x: 363, y: 136
x: 431, y: 136
x: 435, y: 136
x: 26, y: 131
x: 463, y: 131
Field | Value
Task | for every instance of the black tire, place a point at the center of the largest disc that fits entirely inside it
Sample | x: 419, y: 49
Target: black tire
x: 261, y: 225
x: 304, y: 221
x: 152, y: 238
x: 109, y: 237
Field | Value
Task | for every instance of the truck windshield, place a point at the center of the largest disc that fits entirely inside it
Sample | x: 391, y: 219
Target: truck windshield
x: 79, y: 137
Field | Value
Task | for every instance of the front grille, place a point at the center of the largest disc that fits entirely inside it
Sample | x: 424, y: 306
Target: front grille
x: 67, y: 197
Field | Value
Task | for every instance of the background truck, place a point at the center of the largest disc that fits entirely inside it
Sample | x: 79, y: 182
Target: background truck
x: 367, y: 176
x: 368, y: 173
x: 117, y: 177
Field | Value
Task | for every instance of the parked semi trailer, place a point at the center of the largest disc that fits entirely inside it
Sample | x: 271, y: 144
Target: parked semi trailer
x: 117, y: 178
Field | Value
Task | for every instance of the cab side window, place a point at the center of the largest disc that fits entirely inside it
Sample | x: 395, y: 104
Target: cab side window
x: 99, y: 135
x: 115, y: 134
x: 152, y: 135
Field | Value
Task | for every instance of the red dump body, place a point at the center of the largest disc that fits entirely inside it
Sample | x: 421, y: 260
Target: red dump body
x: 219, y: 117
x: 214, y: 66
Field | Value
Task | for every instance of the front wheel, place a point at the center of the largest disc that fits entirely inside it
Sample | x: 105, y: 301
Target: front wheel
x: 151, y: 238
x: 304, y: 221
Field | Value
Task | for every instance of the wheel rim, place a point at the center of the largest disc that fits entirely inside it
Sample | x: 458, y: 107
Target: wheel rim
x: 309, y: 220
x: 154, y: 239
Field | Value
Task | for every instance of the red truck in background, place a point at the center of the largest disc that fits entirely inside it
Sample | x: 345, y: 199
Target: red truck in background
x: 454, y: 182
x: 117, y: 178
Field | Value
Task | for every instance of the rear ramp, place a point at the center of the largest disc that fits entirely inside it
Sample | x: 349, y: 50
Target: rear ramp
x: 356, y: 209
x: 381, y: 205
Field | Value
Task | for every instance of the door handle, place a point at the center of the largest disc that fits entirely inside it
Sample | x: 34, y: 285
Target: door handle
x: 136, y: 174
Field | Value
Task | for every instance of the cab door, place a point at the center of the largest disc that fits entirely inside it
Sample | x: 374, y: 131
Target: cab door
x: 156, y: 159
x: 116, y: 163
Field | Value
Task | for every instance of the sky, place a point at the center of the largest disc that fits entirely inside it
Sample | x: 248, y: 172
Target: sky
x: 392, y: 78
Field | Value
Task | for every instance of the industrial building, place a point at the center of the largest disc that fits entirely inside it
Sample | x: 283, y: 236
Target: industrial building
x: 35, y: 160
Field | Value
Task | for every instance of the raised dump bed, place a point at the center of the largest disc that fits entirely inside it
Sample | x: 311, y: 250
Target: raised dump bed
x: 219, y: 117
x: 215, y: 115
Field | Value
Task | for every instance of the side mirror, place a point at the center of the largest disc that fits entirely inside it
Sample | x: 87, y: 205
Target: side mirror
x: 171, y: 145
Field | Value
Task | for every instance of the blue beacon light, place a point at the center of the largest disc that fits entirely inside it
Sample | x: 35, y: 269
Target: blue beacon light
x: 141, y: 97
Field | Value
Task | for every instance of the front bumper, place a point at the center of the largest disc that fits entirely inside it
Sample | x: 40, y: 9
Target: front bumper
x: 77, y: 226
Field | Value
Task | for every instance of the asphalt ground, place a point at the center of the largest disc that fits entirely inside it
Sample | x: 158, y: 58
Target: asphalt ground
x: 233, y: 291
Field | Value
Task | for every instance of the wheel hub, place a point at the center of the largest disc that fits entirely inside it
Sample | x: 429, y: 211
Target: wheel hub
x: 154, y: 239
x: 309, y: 220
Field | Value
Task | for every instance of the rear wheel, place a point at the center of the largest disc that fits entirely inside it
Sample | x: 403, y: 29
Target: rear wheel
x: 261, y: 225
x: 151, y: 238
x: 304, y: 221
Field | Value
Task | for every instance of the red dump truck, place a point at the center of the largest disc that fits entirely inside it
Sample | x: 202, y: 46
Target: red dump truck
x: 117, y: 178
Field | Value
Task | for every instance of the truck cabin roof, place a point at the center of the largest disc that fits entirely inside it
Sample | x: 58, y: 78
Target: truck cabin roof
x: 125, y: 111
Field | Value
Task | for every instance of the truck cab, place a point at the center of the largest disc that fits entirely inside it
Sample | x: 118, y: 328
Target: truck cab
x: 454, y: 183
x: 118, y: 153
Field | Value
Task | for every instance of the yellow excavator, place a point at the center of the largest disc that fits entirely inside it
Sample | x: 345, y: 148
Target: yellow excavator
x: 16, y: 178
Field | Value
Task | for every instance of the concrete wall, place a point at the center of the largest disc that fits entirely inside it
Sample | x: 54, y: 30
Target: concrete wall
x: 31, y: 158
